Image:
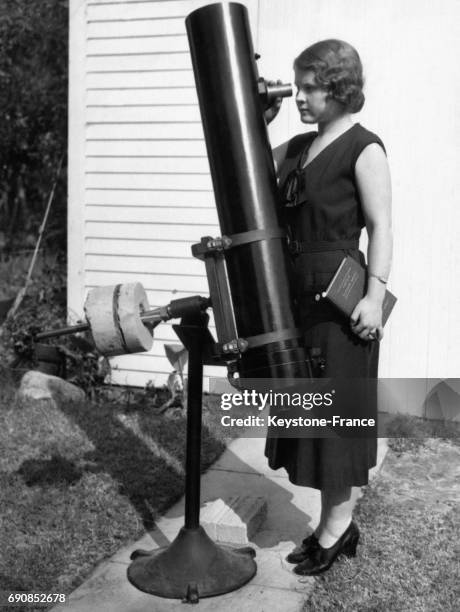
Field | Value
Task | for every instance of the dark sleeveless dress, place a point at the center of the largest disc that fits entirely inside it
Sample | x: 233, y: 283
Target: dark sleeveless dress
x: 326, y: 223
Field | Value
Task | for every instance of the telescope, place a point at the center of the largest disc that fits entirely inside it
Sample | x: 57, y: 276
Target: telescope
x: 248, y: 267
x: 251, y: 292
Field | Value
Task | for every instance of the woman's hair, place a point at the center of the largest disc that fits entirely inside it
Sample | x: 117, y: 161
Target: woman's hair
x: 338, y: 69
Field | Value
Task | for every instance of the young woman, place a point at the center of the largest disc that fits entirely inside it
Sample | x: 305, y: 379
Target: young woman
x: 333, y: 182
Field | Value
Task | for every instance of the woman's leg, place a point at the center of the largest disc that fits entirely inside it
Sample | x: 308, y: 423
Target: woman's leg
x: 336, y: 513
x: 337, y: 534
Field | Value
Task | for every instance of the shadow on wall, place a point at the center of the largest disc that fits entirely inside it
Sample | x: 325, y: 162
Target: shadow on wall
x: 437, y: 399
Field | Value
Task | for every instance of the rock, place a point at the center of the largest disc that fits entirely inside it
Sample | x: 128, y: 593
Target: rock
x: 38, y: 386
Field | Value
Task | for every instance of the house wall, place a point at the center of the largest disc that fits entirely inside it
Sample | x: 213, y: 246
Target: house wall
x: 409, y: 52
x: 140, y: 192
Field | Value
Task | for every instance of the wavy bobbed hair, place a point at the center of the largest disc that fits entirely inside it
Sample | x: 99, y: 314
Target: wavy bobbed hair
x: 338, y: 69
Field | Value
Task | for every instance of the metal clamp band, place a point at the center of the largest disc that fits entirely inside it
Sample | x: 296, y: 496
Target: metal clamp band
x: 212, y: 246
x: 256, y: 236
x: 241, y: 345
x: 274, y: 336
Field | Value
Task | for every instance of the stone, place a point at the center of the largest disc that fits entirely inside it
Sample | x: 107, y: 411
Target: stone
x: 38, y: 386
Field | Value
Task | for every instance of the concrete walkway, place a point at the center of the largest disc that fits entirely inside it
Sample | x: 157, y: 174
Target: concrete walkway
x: 241, y: 470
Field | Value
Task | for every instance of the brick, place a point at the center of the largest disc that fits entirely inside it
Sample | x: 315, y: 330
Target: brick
x: 209, y: 516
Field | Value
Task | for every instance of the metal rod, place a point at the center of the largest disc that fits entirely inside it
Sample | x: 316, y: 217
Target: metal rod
x: 63, y: 331
x: 194, y: 411
x: 154, y: 316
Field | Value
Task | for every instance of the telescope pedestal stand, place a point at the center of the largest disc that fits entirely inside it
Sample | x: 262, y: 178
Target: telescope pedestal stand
x: 192, y: 566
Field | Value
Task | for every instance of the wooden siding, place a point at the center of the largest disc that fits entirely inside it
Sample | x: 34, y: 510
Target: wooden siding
x: 412, y: 86
x: 139, y: 187
x: 140, y: 192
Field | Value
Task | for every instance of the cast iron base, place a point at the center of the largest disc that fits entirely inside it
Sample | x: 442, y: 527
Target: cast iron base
x: 192, y: 566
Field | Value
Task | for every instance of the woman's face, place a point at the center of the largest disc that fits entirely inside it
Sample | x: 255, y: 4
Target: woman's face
x: 313, y: 102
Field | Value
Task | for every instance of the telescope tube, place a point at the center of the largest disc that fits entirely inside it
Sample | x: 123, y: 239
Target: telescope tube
x: 246, y: 193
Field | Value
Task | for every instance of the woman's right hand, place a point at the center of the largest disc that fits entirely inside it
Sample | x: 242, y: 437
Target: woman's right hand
x: 271, y: 112
x: 366, y: 319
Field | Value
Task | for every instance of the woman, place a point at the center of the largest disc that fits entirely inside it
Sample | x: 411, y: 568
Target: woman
x: 333, y: 183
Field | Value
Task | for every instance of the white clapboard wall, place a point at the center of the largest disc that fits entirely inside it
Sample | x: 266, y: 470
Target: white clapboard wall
x: 140, y: 190
x: 409, y: 52
x: 139, y: 187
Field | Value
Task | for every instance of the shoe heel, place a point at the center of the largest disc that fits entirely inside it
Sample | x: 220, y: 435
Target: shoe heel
x: 350, y: 548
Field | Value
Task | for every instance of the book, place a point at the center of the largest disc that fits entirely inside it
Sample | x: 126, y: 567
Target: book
x: 348, y: 286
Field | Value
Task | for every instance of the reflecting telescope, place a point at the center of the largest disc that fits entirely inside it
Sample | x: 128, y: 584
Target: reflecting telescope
x: 248, y: 268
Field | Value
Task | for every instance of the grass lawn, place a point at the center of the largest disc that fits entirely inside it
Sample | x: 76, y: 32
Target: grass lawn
x: 80, y: 481
x: 408, y: 560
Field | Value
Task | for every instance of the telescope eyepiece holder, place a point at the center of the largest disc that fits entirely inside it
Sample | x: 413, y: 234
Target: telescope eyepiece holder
x: 268, y: 91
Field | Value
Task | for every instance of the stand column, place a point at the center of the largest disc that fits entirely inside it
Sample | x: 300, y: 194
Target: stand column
x: 194, y: 414
x: 192, y: 566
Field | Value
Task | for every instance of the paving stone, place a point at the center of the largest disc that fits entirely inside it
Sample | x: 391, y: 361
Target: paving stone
x: 291, y: 511
x: 108, y: 590
x: 241, y: 519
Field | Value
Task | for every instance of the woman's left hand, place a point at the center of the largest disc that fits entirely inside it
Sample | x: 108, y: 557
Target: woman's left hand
x: 366, y: 319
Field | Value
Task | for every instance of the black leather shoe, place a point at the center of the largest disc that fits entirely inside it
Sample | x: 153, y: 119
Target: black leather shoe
x: 321, y: 558
x: 307, y: 546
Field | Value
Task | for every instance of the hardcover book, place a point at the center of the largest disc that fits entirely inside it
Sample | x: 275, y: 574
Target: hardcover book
x: 348, y: 286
